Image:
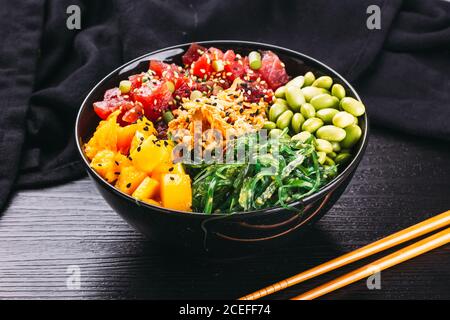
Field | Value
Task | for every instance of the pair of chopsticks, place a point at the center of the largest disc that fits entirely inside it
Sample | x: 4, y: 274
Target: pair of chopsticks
x: 438, y: 239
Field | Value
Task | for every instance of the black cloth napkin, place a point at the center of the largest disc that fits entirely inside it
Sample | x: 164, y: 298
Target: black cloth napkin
x: 401, y: 70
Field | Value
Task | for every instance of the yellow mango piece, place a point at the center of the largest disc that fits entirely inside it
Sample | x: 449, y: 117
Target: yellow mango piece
x: 105, y: 136
x: 105, y: 165
x: 122, y: 161
x: 164, y: 168
x: 151, y: 153
x: 129, y: 179
x: 148, y: 189
x: 176, y: 192
x: 144, y: 129
x: 153, y: 202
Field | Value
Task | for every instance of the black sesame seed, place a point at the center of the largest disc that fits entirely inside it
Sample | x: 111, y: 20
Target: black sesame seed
x: 116, y: 172
x: 170, y: 169
x: 99, y: 164
x: 172, y: 178
x: 116, y: 163
x: 138, y: 149
x: 128, y: 185
x: 145, y: 128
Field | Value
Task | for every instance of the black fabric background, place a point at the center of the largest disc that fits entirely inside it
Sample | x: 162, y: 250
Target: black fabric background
x: 401, y: 71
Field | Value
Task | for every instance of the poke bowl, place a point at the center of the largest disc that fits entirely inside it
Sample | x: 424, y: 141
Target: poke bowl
x: 129, y: 123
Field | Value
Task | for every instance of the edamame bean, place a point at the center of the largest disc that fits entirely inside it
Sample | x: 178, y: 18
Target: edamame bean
x: 269, y: 125
x: 307, y: 110
x: 343, y: 119
x: 279, y: 93
x: 294, y: 97
x: 296, y: 82
x: 336, y: 146
x: 312, y: 124
x: 332, y: 154
x: 321, y: 156
x: 311, y: 92
x: 329, y: 162
x: 326, y: 114
x: 323, y: 101
x: 331, y: 133
x: 276, y: 110
x: 302, y: 136
x: 323, y: 145
x: 343, y: 158
x: 323, y: 82
x: 353, y: 106
x: 309, y: 78
x: 282, y: 101
x: 338, y: 91
x: 275, y: 133
x: 284, y: 120
x: 254, y: 60
x: 353, y: 133
x: 125, y: 86
x: 296, y: 122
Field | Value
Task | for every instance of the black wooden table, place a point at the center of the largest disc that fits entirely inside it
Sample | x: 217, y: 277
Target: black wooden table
x: 401, y: 180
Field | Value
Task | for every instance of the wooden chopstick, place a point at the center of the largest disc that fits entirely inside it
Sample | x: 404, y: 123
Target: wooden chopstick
x: 439, y: 239
x: 397, y: 238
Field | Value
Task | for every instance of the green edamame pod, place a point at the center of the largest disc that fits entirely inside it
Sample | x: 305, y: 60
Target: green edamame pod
x: 307, y: 110
x: 276, y: 110
x: 294, y: 97
x: 323, y: 101
x: 323, y: 82
x: 269, y: 125
x: 284, y: 120
x: 343, y: 158
x: 353, y: 106
x: 279, y: 93
x: 326, y: 114
x: 309, y: 78
x: 353, y: 134
x: 331, y: 133
x: 312, y: 124
x: 323, y: 145
x: 296, y: 82
x: 338, y: 91
x: 302, y: 136
x: 343, y: 119
x: 296, y: 122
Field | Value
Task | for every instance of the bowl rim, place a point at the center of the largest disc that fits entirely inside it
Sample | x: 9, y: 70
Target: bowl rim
x: 309, y: 199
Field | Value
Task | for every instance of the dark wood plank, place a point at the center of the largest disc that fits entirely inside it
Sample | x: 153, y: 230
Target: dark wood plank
x: 402, y: 180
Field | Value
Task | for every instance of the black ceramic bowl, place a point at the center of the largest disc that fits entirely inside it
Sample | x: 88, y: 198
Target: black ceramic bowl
x: 261, y: 228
